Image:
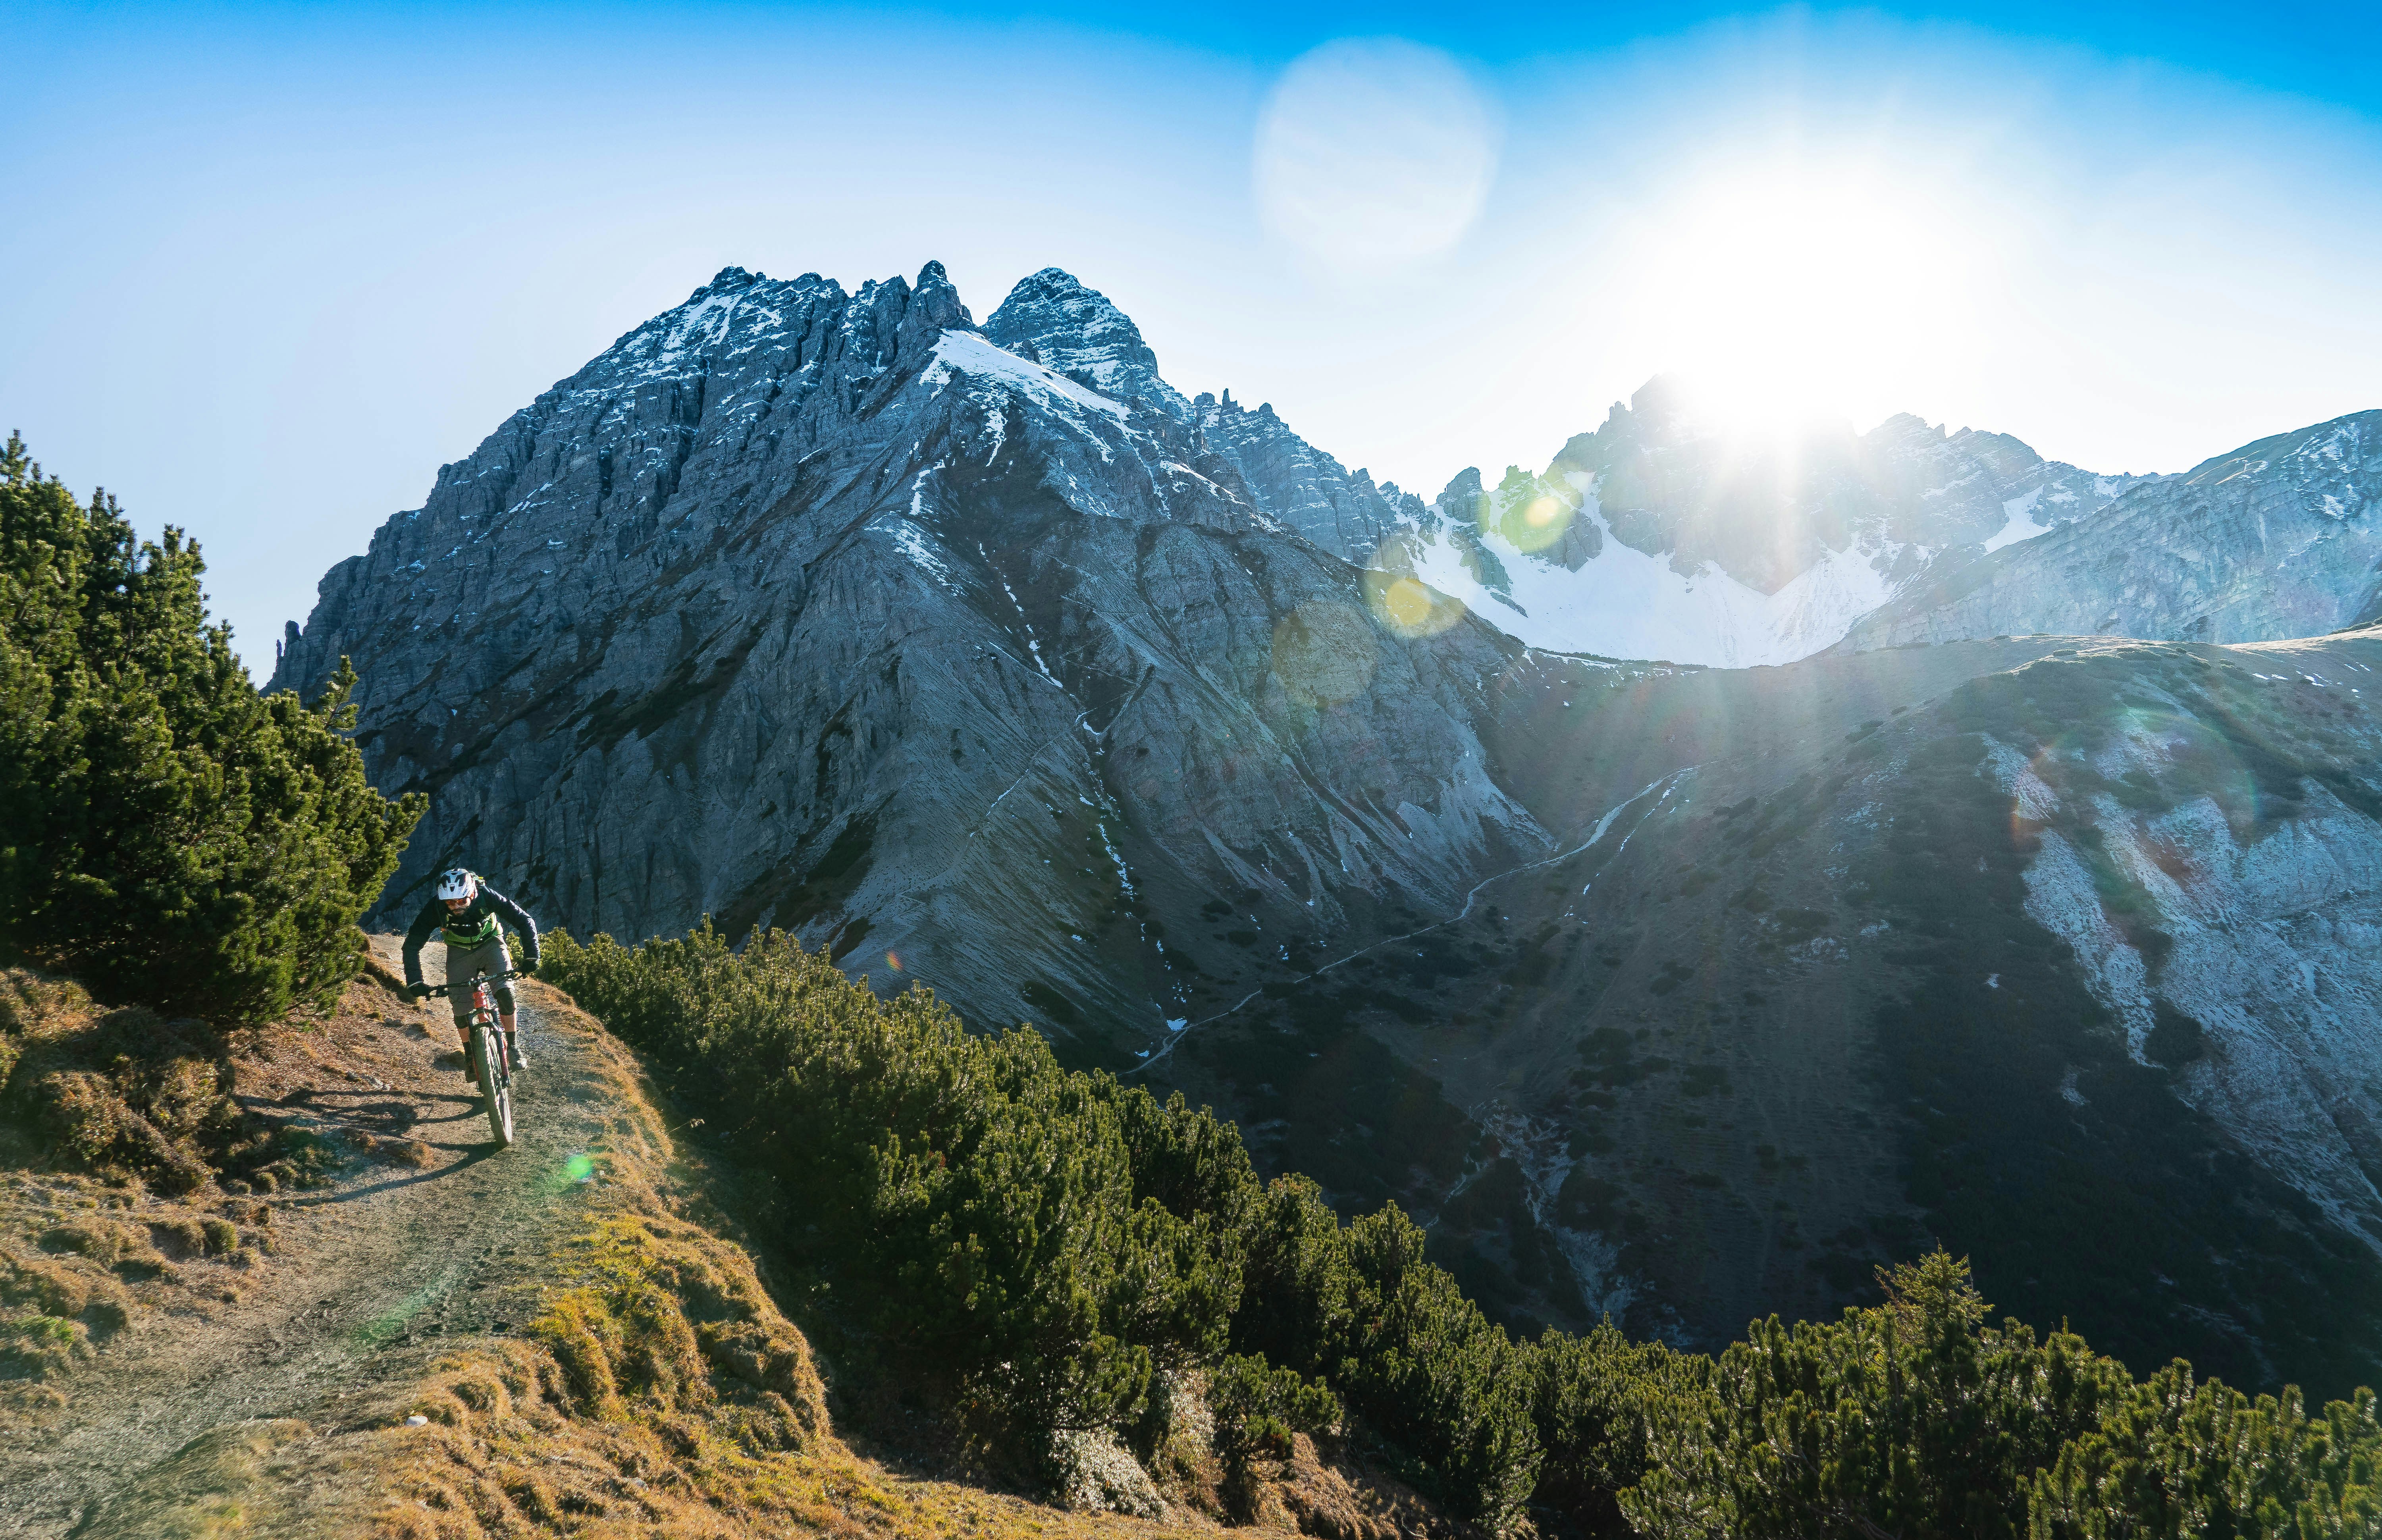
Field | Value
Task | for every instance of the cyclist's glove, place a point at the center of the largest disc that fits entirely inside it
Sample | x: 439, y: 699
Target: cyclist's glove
x: 417, y: 991
x: 529, y: 968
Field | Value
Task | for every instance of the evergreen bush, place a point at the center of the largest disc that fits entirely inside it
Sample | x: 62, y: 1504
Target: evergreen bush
x: 1032, y: 1244
x: 167, y: 834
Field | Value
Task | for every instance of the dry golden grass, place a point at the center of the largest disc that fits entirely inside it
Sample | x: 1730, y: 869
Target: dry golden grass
x: 111, y: 1212
x: 661, y: 1392
x: 657, y: 1390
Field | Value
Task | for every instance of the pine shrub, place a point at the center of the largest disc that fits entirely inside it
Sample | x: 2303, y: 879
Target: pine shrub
x: 1031, y: 1246
x: 167, y: 834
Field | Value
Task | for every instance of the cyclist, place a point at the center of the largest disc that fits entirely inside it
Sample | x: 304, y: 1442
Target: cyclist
x: 470, y: 917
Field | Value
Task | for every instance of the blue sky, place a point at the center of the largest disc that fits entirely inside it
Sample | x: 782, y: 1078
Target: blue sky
x: 266, y: 268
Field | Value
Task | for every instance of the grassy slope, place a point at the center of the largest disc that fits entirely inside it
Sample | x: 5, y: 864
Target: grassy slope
x: 653, y: 1386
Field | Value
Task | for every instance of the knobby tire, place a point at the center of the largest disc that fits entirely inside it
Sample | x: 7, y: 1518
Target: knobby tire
x: 495, y: 1085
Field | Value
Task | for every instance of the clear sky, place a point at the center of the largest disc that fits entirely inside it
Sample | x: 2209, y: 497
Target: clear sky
x: 263, y: 268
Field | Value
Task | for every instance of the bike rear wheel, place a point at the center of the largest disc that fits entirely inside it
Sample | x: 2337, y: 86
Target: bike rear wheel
x: 496, y: 1084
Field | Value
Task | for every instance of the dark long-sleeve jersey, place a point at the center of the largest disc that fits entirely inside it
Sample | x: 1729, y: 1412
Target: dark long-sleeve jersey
x: 475, y: 925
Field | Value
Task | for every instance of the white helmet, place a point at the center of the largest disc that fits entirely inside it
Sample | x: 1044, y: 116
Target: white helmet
x: 457, y: 883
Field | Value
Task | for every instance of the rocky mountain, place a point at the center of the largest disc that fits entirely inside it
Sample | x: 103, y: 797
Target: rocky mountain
x: 2270, y: 541
x: 1666, y: 534
x: 1074, y: 331
x: 983, y: 657
x: 2058, y: 953
x: 977, y: 654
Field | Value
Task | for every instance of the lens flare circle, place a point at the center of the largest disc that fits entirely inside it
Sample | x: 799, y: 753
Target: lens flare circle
x: 1537, y: 523
x: 1374, y: 154
x: 1407, y: 606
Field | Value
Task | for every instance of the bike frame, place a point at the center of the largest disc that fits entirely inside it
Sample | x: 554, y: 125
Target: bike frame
x: 486, y: 1050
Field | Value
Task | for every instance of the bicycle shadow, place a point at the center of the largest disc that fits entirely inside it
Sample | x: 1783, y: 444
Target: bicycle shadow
x: 473, y: 1156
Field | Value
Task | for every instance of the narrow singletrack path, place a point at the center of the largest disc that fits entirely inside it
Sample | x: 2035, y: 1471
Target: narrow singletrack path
x: 372, y: 1276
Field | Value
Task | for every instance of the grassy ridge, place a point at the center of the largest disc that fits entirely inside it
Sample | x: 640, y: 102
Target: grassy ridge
x: 1027, y: 1247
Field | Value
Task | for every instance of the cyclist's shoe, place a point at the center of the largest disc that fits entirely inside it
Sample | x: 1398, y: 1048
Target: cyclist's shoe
x: 513, y: 1051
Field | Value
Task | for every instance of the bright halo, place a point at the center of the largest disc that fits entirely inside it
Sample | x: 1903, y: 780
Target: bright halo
x: 1802, y: 292
x: 1374, y: 154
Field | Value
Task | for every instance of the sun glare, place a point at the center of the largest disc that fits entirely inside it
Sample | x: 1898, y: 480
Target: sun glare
x: 1781, y: 297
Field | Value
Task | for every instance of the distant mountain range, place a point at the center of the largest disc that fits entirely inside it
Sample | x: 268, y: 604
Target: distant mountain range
x: 1663, y: 535
x: 1451, y: 846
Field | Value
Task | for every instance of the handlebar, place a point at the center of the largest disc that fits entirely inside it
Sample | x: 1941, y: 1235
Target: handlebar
x: 439, y: 991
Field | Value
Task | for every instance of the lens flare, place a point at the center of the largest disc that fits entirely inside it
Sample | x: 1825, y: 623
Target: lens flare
x: 1537, y: 523
x: 1407, y: 605
x: 1374, y: 154
x: 893, y: 961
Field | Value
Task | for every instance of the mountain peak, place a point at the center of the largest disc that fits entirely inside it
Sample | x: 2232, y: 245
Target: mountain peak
x: 1054, y: 319
x: 726, y: 281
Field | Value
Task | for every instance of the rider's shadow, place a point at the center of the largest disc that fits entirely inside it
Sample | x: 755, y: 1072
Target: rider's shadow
x: 470, y: 1107
x: 472, y: 1155
x: 371, y: 1111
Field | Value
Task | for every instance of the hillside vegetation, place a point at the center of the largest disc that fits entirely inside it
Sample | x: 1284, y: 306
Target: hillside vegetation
x: 167, y: 832
x: 1033, y: 1251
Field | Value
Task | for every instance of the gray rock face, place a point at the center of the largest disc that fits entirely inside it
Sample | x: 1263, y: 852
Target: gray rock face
x: 1055, y: 320
x: 1764, y: 511
x: 2275, y: 540
x: 827, y: 611
x: 1662, y: 534
x: 1298, y: 484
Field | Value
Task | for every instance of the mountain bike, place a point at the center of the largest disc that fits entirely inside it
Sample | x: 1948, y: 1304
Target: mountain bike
x: 486, y: 1050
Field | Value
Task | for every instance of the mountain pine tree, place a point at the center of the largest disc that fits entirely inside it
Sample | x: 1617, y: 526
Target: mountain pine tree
x: 166, y: 834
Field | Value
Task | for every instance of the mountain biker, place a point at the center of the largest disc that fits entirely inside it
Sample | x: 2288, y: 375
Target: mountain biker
x: 467, y: 914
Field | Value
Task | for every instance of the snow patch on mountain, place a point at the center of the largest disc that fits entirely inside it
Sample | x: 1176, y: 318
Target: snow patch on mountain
x: 2022, y: 525
x: 1625, y: 603
x: 966, y: 353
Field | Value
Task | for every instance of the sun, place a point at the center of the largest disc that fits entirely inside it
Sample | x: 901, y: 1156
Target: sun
x: 1803, y: 292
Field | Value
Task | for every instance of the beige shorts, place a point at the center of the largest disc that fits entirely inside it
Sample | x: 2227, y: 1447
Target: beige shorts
x: 462, y: 962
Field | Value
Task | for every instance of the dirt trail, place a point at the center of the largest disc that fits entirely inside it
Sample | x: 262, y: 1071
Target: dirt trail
x: 373, y: 1275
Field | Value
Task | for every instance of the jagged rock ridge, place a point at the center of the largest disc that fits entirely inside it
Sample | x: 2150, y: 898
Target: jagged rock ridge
x: 2271, y: 541
x: 1664, y: 534
x: 977, y: 654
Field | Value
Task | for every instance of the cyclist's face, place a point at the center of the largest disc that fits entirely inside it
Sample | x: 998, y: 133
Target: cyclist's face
x: 459, y: 904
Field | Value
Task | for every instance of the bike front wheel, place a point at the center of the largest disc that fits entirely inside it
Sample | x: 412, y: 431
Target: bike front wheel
x: 496, y: 1084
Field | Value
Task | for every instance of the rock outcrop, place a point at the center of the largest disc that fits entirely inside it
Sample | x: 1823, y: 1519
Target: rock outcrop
x: 1664, y: 535
x: 978, y: 654
x: 2275, y: 540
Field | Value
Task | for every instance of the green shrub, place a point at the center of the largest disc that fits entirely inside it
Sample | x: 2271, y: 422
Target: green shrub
x: 1033, y: 1245
x: 2176, y: 1461
x: 1028, y: 1247
x: 1912, y: 1418
x: 1257, y: 1407
x: 166, y: 834
x: 977, y: 1203
x: 1595, y: 1399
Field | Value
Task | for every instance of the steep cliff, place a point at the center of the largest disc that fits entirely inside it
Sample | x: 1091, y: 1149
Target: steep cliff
x: 831, y: 611
x: 2274, y: 540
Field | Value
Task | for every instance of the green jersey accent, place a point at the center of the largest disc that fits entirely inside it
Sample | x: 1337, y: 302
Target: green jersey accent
x: 463, y: 930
